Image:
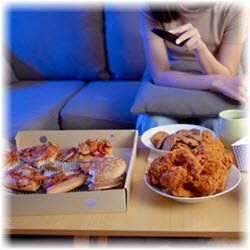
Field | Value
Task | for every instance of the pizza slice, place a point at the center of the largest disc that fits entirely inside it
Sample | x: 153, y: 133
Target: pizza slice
x: 40, y: 155
x: 63, y: 182
x: 68, y: 155
x: 25, y: 178
x: 10, y: 158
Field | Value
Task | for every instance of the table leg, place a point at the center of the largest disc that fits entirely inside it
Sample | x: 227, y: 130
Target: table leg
x: 102, y: 241
x: 80, y: 240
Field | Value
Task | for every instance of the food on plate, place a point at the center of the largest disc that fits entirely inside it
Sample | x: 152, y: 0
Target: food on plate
x: 169, y: 142
x: 192, y: 172
x: 183, y: 138
x: 86, y: 151
x: 62, y: 182
x: 158, y: 138
x: 10, y: 158
x: 25, y: 178
x: 107, y: 173
x: 40, y: 155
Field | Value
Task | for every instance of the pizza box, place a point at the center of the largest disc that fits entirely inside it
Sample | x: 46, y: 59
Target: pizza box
x: 124, y: 144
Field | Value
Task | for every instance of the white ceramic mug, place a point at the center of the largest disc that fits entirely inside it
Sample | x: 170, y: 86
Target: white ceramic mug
x: 232, y: 126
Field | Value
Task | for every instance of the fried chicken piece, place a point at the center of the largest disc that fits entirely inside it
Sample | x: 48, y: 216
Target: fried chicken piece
x: 157, y: 168
x: 86, y: 151
x: 94, y: 146
x: 216, y: 163
x: 172, y: 179
x: 104, y: 147
x: 87, y: 147
x: 207, y: 137
x: 181, y: 158
x: 184, y: 170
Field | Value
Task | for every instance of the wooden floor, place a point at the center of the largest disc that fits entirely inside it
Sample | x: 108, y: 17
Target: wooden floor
x: 116, y: 242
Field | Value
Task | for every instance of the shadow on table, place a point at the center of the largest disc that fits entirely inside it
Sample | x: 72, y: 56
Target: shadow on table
x: 30, y: 241
x: 40, y: 241
x: 188, y: 243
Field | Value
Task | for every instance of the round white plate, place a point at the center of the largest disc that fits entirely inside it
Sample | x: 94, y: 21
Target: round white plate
x: 233, y: 180
x: 170, y: 129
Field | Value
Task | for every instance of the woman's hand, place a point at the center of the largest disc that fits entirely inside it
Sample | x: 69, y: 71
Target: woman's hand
x: 187, y: 31
x: 233, y: 87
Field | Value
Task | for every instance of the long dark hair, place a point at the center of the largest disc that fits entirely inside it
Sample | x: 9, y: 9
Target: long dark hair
x: 164, y: 14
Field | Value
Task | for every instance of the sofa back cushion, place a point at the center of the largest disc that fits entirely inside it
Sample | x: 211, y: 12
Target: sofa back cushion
x: 57, y: 43
x: 124, y: 46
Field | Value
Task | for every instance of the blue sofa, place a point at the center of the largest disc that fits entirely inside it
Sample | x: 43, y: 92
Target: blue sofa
x: 74, y: 68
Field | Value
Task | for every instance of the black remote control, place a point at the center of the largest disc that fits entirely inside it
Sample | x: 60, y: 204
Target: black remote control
x: 168, y: 36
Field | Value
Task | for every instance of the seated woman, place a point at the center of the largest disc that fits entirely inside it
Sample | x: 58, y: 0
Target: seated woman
x: 209, y: 59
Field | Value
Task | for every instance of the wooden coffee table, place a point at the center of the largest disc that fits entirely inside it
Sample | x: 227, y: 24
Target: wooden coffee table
x: 148, y: 215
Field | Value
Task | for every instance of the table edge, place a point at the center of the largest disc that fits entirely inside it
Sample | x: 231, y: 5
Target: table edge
x: 214, y: 234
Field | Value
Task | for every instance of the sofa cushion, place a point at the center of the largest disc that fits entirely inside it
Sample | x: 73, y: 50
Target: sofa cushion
x: 101, y: 105
x: 124, y: 46
x: 35, y: 105
x: 179, y: 103
x: 57, y: 43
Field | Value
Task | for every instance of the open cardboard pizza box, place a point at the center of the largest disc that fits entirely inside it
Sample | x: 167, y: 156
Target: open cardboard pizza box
x: 124, y: 144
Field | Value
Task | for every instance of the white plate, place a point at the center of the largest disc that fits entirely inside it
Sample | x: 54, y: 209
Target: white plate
x: 233, y: 180
x: 170, y: 129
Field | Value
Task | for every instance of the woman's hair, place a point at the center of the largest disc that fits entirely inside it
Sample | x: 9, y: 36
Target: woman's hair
x: 164, y: 14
